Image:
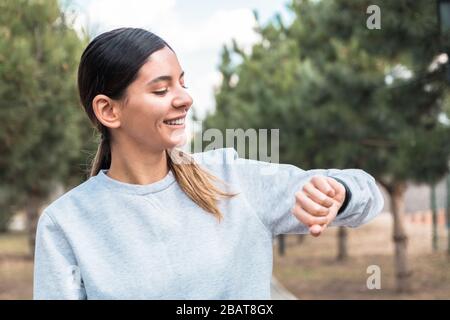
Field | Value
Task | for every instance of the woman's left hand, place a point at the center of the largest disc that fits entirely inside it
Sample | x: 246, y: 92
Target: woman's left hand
x: 318, y: 203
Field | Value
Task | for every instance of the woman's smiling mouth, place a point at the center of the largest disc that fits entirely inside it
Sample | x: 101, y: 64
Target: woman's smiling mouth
x: 176, y: 122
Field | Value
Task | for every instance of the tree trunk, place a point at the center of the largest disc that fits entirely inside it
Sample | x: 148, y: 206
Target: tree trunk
x: 32, y: 215
x: 403, y: 273
x: 342, y: 244
x: 448, y: 214
x: 281, y: 244
x: 434, y: 229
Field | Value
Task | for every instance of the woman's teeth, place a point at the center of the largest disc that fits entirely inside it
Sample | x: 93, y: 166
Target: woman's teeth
x: 175, y: 122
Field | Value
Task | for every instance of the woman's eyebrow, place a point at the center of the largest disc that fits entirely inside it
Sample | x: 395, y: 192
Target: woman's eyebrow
x: 163, y: 78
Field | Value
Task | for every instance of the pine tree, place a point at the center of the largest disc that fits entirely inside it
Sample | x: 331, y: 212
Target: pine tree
x: 42, y: 122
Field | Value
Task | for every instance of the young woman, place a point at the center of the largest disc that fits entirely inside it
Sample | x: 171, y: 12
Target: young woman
x: 151, y: 223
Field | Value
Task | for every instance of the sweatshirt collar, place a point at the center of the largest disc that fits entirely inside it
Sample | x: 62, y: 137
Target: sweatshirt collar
x: 140, y: 189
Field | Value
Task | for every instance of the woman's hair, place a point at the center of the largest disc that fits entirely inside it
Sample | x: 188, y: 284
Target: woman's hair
x: 109, y: 64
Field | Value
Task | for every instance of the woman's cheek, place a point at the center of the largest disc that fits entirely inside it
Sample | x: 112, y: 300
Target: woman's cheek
x: 147, y: 112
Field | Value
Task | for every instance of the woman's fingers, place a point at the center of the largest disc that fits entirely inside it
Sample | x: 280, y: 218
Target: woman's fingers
x: 315, y: 205
x: 339, y: 188
x: 318, y: 196
x: 316, y: 230
x: 310, y: 205
x: 323, y: 185
x: 306, y: 218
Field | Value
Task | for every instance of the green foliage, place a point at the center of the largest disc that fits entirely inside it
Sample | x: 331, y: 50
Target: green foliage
x: 42, y: 123
x: 323, y: 81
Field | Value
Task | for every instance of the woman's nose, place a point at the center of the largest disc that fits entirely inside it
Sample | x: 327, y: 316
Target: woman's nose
x: 183, y: 99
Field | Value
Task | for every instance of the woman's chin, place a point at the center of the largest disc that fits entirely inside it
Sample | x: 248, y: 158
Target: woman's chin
x: 176, y: 143
x: 177, y: 138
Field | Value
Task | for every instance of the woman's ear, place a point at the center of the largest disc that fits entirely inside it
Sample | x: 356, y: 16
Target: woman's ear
x: 106, y: 110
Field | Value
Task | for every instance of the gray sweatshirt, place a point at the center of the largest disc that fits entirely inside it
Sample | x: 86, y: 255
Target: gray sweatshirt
x: 106, y: 239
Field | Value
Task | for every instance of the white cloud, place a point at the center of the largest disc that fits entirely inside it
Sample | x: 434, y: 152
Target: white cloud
x: 131, y: 13
x: 218, y: 29
x: 202, y: 90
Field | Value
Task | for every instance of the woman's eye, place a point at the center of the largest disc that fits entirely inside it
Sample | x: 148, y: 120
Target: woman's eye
x: 161, y: 92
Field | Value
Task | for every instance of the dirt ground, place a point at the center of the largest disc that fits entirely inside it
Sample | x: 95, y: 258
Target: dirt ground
x: 16, y: 267
x: 310, y: 270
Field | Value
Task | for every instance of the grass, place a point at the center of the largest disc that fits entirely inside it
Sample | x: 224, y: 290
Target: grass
x: 16, y: 267
x: 310, y: 270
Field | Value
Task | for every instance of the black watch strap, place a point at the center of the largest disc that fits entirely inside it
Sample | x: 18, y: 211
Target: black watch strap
x: 348, y: 195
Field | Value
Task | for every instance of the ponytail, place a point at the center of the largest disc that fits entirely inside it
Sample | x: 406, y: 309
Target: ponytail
x: 102, y: 159
x: 197, y: 183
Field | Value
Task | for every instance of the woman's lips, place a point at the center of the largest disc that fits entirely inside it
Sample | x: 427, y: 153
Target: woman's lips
x: 176, y: 122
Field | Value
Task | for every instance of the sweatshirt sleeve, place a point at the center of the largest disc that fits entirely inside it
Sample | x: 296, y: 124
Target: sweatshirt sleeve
x: 56, y: 274
x: 270, y: 189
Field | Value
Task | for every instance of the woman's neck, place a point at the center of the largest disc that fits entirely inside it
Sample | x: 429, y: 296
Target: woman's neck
x: 137, y: 166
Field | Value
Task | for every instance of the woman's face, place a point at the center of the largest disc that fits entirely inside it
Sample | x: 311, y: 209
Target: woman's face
x: 156, y: 104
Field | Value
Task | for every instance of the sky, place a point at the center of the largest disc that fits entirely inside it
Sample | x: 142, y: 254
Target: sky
x: 196, y: 30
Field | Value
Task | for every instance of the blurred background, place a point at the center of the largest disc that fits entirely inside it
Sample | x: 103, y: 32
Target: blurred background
x: 349, y: 83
